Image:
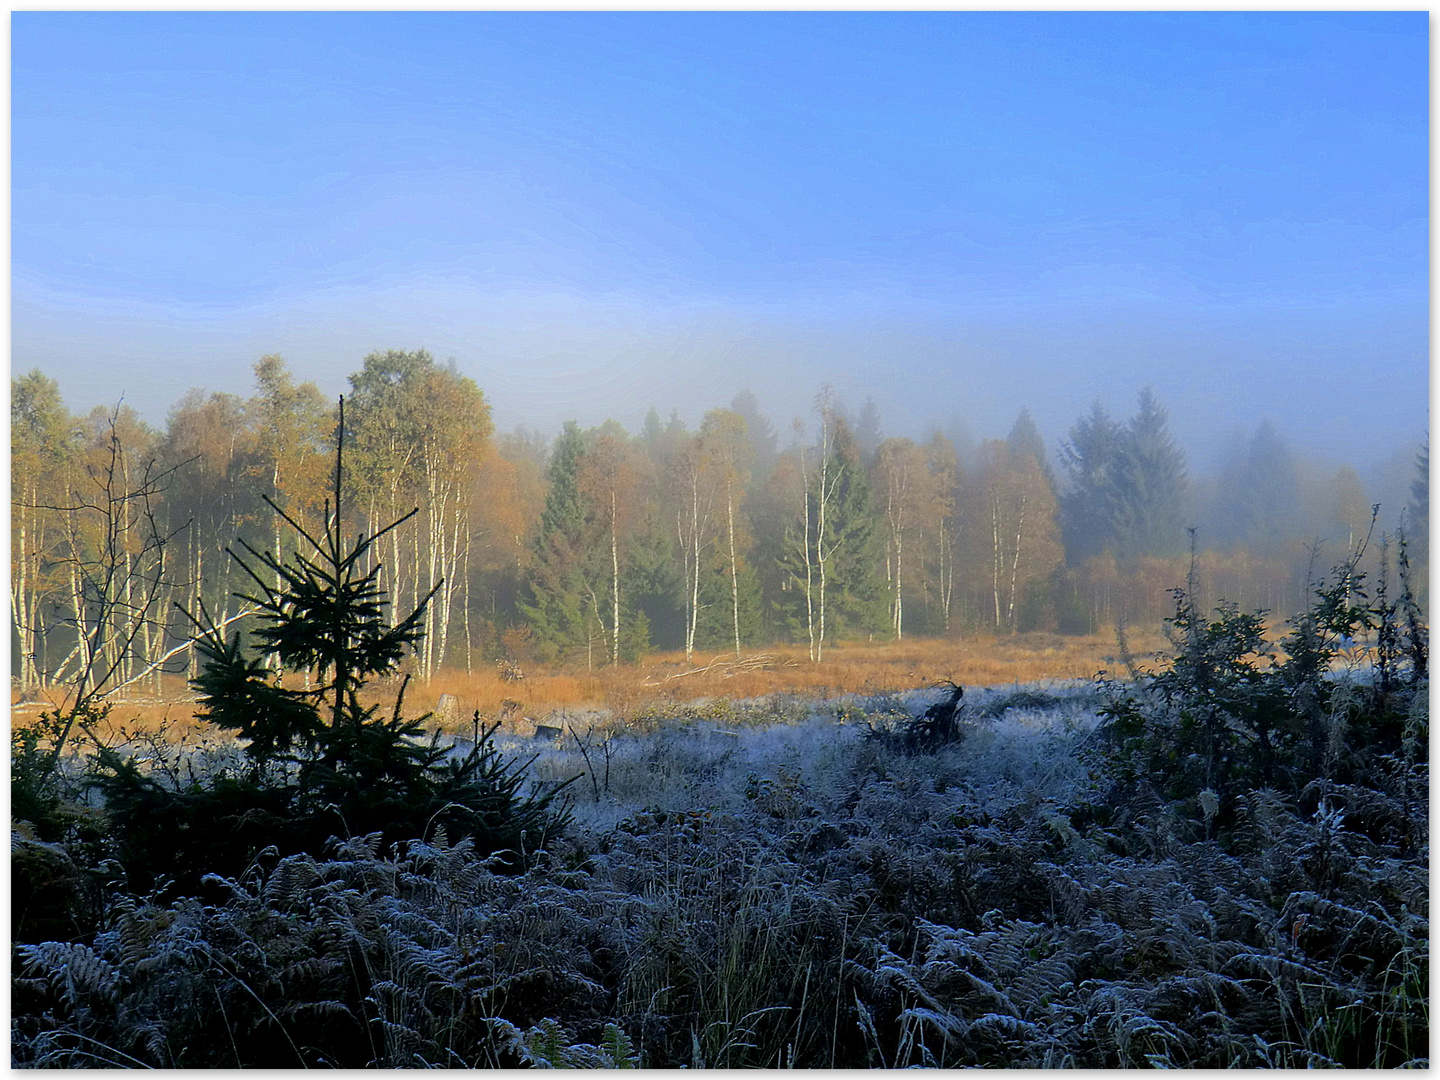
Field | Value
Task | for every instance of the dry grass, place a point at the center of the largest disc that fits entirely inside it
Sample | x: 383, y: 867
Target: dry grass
x: 850, y: 668
x: 667, y: 678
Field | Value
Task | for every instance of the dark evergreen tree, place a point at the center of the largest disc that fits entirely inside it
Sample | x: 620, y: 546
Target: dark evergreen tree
x: 555, y: 600
x: 1127, y: 489
x: 764, y: 442
x: 651, y: 431
x: 1151, y: 486
x: 562, y: 512
x: 1090, y: 503
x: 867, y: 432
x: 716, y: 629
x: 655, y: 585
x: 1417, y: 524
x: 855, y: 601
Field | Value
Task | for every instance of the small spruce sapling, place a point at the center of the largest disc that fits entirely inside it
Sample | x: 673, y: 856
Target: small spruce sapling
x: 319, y: 613
x: 321, y: 762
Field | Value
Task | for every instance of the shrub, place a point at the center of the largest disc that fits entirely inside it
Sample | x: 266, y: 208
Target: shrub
x: 1231, y: 712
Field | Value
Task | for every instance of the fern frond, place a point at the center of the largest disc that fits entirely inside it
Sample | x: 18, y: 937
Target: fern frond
x: 76, y: 971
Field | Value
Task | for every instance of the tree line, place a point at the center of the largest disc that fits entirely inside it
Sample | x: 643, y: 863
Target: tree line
x: 601, y: 545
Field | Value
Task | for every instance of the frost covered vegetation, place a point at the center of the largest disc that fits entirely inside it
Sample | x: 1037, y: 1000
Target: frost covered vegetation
x: 751, y: 889
x: 1220, y: 863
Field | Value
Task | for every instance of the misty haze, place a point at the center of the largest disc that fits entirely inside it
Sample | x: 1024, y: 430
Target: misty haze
x: 825, y: 502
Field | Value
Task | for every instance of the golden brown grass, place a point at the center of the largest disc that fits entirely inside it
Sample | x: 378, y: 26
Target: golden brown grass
x: 848, y: 668
x: 667, y: 678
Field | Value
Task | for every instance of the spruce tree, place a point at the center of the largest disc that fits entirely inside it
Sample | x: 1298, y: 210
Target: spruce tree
x: 1089, y: 505
x: 1417, y: 525
x: 320, y: 763
x: 1024, y: 441
x: 1152, y: 485
x: 856, y: 600
x: 764, y: 442
x: 1128, y: 488
x: 555, y: 604
x: 1258, y: 499
x: 319, y: 613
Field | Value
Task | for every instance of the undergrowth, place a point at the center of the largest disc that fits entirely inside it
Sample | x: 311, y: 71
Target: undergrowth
x: 1223, y: 864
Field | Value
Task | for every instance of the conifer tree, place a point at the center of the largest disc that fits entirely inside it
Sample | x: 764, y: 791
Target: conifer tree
x: 556, y: 602
x: 1025, y: 441
x: 763, y: 440
x: 1152, y: 485
x: 1089, y: 505
x: 1128, y: 487
x: 1258, y: 497
x: 1417, y: 525
x: 326, y: 616
x: 321, y: 761
x: 855, y: 602
x: 867, y: 432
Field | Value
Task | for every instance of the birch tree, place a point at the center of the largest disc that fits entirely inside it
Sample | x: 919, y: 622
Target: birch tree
x: 117, y: 562
x: 830, y: 557
x: 827, y: 481
x: 1013, y: 530
x: 43, y: 440
x: 725, y: 436
x: 941, y: 526
x: 384, y: 419
x: 696, y: 486
x: 608, y: 482
x: 902, y: 482
x: 213, y: 498
x: 290, y: 422
x: 806, y: 546
x: 420, y: 430
x: 454, y: 429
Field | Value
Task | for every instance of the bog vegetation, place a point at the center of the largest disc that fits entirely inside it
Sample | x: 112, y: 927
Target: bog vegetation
x: 1218, y: 860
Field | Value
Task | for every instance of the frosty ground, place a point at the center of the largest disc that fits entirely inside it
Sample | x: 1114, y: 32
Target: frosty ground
x: 768, y: 883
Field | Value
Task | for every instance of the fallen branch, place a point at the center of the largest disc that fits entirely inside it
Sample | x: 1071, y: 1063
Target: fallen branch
x: 155, y: 664
x: 728, y: 667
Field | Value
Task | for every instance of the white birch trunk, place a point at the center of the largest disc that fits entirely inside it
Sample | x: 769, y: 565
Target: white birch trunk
x: 809, y: 583
x: 694, y: 563
x: 1015, y: 562
x: 996, y: 556
x: 734, y: 565
x: 820, y: 555
x: 614, y: 583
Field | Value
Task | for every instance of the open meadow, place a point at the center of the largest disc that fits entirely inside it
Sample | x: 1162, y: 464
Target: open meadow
x: 665, y: 680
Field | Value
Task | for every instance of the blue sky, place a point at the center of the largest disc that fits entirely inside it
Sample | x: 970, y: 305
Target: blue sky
x: 955, y: 213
